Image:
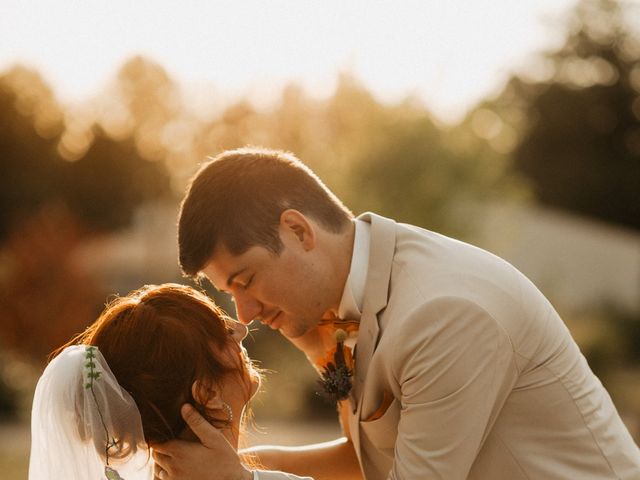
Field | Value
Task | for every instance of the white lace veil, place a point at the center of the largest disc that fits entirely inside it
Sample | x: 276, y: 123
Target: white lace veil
x: 83, y: 424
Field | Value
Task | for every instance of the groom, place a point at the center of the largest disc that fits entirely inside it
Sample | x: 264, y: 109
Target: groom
x: 462, y: 368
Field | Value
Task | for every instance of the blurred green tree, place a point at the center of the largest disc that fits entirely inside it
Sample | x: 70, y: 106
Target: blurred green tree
x: 30, y: 123
x: 398, y: 161
x: 412, y: 173
x: 62, y: 181
x: 391, y: 158
x: 102, y: 185
x: 581, y: 147
x: 145, y: 105
x: 105, y: 186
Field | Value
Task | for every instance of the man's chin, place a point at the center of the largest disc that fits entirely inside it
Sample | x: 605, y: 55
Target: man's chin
x: 292, y: 333
x: 286, y: 329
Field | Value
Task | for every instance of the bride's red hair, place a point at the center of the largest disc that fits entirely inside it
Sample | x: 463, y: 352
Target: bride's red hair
x: 157, y: 341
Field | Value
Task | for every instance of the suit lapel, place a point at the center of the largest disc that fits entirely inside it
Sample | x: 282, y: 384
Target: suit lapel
x: 383, y: 242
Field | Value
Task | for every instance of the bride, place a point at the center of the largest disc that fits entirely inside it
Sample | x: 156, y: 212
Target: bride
x: 118, y: 387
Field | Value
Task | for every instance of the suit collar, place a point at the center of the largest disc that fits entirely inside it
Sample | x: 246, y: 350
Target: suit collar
x: 383, y: 244
x: 353, y: 295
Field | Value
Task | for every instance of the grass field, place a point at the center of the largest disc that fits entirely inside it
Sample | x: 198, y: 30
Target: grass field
x: 14, y: 451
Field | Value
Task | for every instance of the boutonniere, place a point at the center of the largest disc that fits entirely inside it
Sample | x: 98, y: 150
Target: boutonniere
x: 336, y: 370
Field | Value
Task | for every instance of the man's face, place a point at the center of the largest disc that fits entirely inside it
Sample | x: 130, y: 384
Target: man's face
x: 282, y: 291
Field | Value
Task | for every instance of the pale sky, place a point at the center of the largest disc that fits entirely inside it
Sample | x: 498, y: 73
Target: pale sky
x: 449, y: 53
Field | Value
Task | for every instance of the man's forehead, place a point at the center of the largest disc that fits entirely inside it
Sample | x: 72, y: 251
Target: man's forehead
x: 216, y: 274
x: 213, y: 269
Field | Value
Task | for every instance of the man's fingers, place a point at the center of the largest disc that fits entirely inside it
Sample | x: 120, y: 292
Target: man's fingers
x: 158, y: 471
x: 163, y: 466
x: 192, y: 417
x: 209, y: 436
x: 167, y: 449
x: 161, y: 458
x: 212, y: 455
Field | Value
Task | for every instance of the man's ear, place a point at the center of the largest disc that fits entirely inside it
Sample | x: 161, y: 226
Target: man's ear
x: 294, y: 224
x: 207, y: 395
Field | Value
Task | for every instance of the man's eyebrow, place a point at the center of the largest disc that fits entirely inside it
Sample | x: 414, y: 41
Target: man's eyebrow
x: 234, y: 275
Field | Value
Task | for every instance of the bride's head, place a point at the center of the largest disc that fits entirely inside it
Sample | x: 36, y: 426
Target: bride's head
x: 168, y: 345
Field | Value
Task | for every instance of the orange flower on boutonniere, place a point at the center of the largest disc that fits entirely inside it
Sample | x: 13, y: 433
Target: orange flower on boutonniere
x: 336, y: 369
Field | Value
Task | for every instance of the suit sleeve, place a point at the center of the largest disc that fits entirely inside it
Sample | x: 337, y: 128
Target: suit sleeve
x: 274, y: 475
x: 455, y: 366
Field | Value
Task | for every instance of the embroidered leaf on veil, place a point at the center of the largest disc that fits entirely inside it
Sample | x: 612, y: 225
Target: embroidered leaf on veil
x: 112, y: 474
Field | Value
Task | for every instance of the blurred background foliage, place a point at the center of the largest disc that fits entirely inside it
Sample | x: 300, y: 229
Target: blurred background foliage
x: 565, y: 134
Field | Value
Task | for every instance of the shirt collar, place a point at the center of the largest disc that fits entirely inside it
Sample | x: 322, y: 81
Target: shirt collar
x: 353, y: 294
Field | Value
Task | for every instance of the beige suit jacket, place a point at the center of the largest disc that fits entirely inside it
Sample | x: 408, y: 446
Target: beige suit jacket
x: 485, y: 379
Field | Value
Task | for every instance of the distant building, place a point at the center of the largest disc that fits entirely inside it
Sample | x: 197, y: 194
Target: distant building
x: 145, y: 253
x: 578, y: 263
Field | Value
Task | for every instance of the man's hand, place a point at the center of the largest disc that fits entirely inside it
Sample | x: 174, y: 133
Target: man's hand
x: 211, y: 459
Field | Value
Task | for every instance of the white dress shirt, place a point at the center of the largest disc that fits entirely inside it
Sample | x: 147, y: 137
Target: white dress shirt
x: 353, y: 294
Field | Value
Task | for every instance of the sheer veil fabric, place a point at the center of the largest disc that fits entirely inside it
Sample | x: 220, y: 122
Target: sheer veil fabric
x: 83, y: 424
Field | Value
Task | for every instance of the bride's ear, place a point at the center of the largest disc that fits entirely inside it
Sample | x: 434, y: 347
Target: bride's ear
x: 207, y: 395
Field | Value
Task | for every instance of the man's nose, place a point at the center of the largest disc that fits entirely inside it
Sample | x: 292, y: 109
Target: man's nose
x: 247, y: 308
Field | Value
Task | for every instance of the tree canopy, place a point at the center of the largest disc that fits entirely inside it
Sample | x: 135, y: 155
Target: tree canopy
x: 581, y: 147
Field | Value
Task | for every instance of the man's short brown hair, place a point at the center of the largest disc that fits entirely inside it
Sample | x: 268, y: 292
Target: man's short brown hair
x: 236, y: 200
